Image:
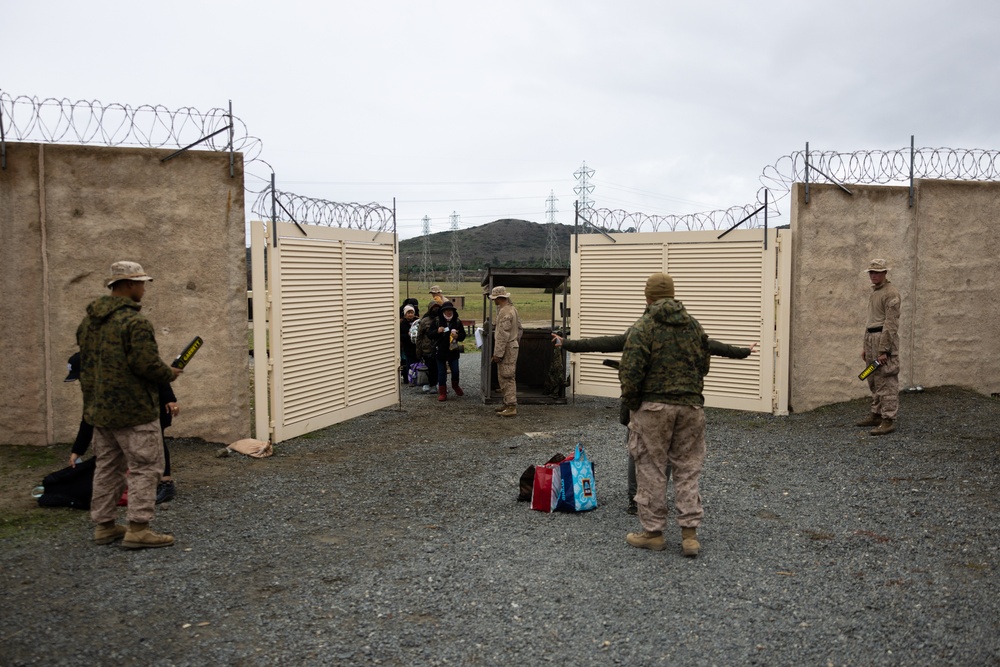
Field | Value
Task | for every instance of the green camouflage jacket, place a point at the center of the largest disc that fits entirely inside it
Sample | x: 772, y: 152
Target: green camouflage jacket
x: 665, y: 359
x: 120, y: 365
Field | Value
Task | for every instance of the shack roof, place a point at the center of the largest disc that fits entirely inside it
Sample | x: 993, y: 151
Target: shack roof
x: 525, y: 277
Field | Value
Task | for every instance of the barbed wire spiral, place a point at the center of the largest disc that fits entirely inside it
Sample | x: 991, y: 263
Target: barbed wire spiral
x: 54, y: 120
x: 292, y: 207
x: 868, y: 167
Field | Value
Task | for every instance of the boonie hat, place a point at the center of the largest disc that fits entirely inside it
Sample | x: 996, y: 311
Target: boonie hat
x: 499, y: 292
x: 877, y: 266
x: 435, y: 289
x: 126, y: 271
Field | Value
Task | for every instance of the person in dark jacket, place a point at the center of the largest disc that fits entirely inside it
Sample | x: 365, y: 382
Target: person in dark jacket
x: 426, y: 348
x: 447, y: 335
x: 407, y: 348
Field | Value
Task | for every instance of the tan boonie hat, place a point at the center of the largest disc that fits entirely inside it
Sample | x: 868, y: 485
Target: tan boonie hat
x: 659, y: 286
x: 126, y: 271
x: 435, y: 289
x: 499, y: 292
x: 877, y: 266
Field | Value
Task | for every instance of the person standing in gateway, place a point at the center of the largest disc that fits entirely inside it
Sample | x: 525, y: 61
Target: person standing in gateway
x: 506, y: 342
x: 882, y: 344
x: 120, y: 373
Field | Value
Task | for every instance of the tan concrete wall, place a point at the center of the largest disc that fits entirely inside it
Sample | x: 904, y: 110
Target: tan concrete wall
x: 67, y: 213
x: 942, y: 254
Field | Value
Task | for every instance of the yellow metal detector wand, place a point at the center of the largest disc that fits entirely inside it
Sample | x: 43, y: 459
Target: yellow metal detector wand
x: 184, y: 357
x: 868, y: 371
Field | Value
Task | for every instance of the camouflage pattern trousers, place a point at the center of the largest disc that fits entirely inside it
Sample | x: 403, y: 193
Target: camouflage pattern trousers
x: 506, y: 374
x: 884, y: 382
x: 662, y: 433
x: 138, y: 449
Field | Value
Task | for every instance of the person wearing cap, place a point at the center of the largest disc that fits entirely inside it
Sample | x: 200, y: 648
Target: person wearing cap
x: 881, y: 343
x: 120, y: 372
x: 662, y: 374
x: 407, y: 347
x: 426, y: 347
x: 506, y: 344
x: 447, y: 333
x: 436, y: 294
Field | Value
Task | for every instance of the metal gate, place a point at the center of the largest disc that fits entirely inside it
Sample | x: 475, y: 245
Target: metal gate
x: 737, y: 287
x: 326, y: 350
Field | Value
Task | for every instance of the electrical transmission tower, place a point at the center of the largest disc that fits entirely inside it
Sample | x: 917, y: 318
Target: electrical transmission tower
x: 552, y: 258
x: 425, y: 276
x: 456, y: 260
x: 583, y: 190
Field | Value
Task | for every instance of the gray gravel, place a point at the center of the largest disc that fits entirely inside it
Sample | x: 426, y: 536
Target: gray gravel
x: 395, y: 539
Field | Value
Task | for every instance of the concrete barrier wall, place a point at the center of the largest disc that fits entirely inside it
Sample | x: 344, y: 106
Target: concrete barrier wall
x: 67, y: 213
x: 942, y: 254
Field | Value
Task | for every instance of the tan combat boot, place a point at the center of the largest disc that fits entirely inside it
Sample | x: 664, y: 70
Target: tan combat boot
x: 689, y: 542
x: 139, y: 536
x: 509, y: 411
x: 873, y: 419
x: 500, y: 408
x: 107, y: 532
x: 647, y: 539
x: 887, y: 426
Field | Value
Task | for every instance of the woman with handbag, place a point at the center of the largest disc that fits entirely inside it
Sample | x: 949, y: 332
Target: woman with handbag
x: 448, y: 335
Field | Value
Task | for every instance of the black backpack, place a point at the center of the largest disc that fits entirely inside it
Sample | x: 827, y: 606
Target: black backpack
x: 69, y: 487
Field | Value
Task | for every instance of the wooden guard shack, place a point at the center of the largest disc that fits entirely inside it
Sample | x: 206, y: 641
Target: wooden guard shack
x: 535, y: 357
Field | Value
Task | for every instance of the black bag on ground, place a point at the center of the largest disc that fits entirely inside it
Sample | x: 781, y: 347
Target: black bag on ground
x: 69, y: 487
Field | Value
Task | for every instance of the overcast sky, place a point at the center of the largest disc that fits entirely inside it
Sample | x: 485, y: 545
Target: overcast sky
x: 482, y: 108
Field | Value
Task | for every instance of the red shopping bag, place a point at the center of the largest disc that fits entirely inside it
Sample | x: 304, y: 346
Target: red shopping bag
x: 545, y: 492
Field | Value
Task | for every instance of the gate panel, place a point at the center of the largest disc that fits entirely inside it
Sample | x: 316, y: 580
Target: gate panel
x: 332, y: 327
x: 730, y: 285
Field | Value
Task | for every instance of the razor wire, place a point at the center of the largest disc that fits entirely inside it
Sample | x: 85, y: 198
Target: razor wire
x: 308, y: 210
x: 868, y: 167
x: 54, y: 120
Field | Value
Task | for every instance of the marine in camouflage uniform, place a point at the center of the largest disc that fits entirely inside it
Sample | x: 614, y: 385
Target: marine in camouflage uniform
x: 506, y: 344
x: 616, y: 343
x: 882, y: 343
x: 662, y: 376
x: 120, y: 374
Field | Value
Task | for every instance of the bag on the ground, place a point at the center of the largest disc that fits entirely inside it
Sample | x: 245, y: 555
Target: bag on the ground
x: 527, y: 481
x: 69, y: 487
x: 577, y: 479
x: 545, y: 489
x: 417, y: 375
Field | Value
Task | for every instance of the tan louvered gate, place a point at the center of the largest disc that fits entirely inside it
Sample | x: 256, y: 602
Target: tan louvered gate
x: 734, y: 286
x: 331, y: 327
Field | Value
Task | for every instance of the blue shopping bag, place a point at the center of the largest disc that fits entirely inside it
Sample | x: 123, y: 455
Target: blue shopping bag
x: 578, y: 492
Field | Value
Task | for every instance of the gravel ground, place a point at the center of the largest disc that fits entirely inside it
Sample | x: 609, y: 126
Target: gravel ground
x: 395, y: 539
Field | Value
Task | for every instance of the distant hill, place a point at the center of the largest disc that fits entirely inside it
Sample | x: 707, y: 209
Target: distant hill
x: 502, y: 243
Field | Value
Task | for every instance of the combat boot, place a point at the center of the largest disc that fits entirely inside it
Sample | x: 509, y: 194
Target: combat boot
x: 887, y: 426
x: 689, y: 542
x: 139, y: 536
x: 509, y: 411
x: 647, y: 539
x: 442, y: 393
x: 500, y: 408
x: 873, y: 419
x: 107, y: 532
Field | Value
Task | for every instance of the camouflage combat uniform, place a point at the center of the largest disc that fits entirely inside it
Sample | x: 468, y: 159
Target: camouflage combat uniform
x: 662, y: 373
x: 120, y: 374
x: 506, y: 339
x: 882, y: 337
